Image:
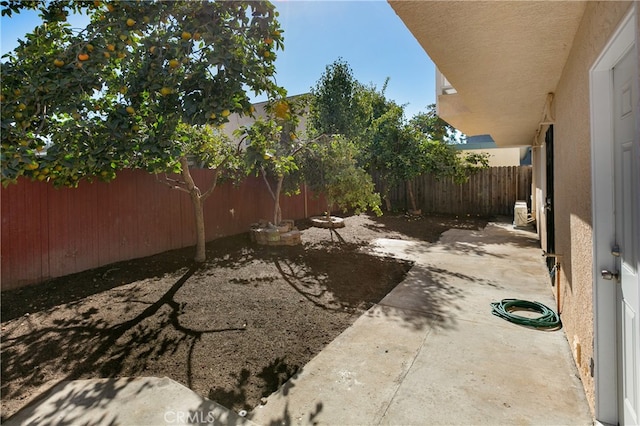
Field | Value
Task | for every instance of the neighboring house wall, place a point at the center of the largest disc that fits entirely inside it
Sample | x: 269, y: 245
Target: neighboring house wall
x: 572, y: 173
x: 236, y: 121
x: 499, y: 157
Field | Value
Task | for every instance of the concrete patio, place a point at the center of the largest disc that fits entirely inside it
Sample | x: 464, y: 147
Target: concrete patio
x: 431, y: 352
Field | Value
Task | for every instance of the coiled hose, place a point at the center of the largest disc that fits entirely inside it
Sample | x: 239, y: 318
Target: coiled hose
x: 547, y: 319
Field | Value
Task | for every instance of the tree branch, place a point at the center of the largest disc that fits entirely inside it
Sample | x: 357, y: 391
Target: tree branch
x: 191, y: 185
x: 175, y: 185
x: 264, y: 176
x: 213, y: 185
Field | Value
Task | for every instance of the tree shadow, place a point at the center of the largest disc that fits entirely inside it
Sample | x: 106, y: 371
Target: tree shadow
x: 425, y: 228
x: 287, y: 419
x: 327, y: 280
x: 429, y: 298
x: 275, y: 374
x: 66, y: 400
x: 75, y: 287
x: 69, y: 348
x: 495, y: 240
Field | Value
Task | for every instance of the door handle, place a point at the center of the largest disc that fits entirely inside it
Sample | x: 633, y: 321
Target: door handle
x: 608, y: 275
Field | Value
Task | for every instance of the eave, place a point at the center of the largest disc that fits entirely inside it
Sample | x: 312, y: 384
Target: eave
x: 503, y: 58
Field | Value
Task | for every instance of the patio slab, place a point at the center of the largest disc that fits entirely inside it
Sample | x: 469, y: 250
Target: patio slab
x: 124, y: 401
x: 431, y: 352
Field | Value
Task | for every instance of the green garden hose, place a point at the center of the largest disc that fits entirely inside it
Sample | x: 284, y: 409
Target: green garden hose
x: 547, y: 319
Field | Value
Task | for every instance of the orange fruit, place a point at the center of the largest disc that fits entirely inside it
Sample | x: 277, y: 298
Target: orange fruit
x: 174, y: 63
x: 83, y: 57
x: 130, y: 110
x: 281, y: 109
x: 111, y: 47
x: 225, y: 113
x: 130, y: 22
x: 186, y: 35
x: 58, y: 63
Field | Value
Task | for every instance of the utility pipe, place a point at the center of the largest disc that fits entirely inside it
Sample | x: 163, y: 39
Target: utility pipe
x: 557, y: 277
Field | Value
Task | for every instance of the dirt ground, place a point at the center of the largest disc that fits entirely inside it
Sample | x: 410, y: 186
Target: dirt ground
x: 233, y: 329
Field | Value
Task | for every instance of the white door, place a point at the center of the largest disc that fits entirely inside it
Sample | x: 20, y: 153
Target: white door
x: 627, y: 227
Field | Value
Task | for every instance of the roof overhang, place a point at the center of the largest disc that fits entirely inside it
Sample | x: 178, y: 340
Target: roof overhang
x: 503, y: 58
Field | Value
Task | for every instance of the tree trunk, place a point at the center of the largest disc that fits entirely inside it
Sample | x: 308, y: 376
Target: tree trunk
x: 198, y: 210
x: 328, y: 215
x: 412, y: 199
x: 387, y: 198
x: 277, y: 211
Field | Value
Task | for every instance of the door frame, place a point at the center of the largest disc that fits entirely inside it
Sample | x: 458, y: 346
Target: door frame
x: 604, y: 293
x: 550, y: 202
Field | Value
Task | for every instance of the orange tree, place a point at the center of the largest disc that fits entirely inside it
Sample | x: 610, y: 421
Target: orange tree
x: 274, y: 149
x: 89, y: 102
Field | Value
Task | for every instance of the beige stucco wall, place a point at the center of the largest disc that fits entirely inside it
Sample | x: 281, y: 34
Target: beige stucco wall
x: 573, y: 214
x: 499, y: 157
x: 236, y: 121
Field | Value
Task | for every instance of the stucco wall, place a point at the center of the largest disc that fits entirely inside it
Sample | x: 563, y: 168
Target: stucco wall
x: 499, y: 157
x: 573, y: 214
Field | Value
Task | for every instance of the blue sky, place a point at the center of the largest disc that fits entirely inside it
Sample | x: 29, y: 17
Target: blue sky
x: 368, y: 35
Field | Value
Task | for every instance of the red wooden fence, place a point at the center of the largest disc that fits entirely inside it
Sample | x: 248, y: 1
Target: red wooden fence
x: 49, y: 232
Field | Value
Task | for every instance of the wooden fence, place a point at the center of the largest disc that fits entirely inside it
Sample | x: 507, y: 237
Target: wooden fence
x: 49, y: 232
x: 490, y: 192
